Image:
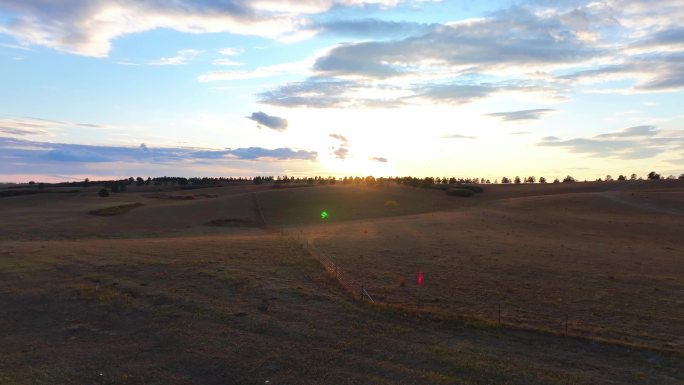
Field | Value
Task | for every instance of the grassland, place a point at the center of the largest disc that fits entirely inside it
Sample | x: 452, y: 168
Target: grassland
x: 155, y: 296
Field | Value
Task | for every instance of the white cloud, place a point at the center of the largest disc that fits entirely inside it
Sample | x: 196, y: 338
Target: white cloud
x: 226, y: 62
x: 228, y: 51
x: 183, y: 56
x: 300, y: 67
x: 87, y: 27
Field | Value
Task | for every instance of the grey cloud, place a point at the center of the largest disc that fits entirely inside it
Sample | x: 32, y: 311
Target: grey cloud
x: 378, y: 159
x: 321, y: 92
x: 24, y: 152
x: 371, y: 28
x: 458, y: 136
x: 252, y: 153
x: 662, y: 71
x: 520, y: 133
x: 522, y: 114
x: 512, y: 37
x: 631, y: 132
x: 667, y: 37
x: 341, y: 152
x: 69, y: 26
x: 16, y: 131
x: 339, y: 137
x: 273, y: 122
x: 453, y: 93
x: 638, y: 142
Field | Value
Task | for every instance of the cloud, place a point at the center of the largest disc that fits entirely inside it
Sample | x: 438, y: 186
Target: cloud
x: 33, y: 155
x: 253, y: 153
x: 514, y: 37
x: 458, y: 136
x: 374, y: 28
x: 378, y: 159
x: 453, y: 93
x: 652, y: 72
x: 183, y: 56
x: 289, y: 68
x: 87, y: 27
x: 265, y: 120
x: 35, y: 127
x: 341, y: 152
x: 339, y: 137
x: 637, y: 142
x: 228, y: 51
x: 226, y: 62
x: 313, y: 92
x: 522, y: 114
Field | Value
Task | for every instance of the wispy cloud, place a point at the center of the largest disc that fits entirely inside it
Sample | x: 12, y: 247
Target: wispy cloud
x: 339, y: 137
x: 28, y: 127
x: 68, y: 26
x: 522, y: 114
x: 637, y: 142
x: 27, y: 154
x: 183, y: 56
x: 378, y: 159
x: 458, y: 136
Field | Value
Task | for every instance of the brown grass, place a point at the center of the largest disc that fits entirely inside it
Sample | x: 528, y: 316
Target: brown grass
x: 115, y: 210
x: 178, y: 302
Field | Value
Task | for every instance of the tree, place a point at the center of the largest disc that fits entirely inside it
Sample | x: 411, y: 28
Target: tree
x: 103, y: 193
x: 633, y: 177
x: 542, y: 179
x: 609, y: 178
x: 556, y: 180
x: 681, y: 176
x: 258, y: 180
x: 569, y: 179
x: 505, y: 180
x: 622, y: 177
x: 139, y: 181
x: 517, y: 180
x: 653, y: 175
x: 531, y: 179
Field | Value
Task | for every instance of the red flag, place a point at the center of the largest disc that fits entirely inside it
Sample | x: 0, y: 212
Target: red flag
x: 420, y: 278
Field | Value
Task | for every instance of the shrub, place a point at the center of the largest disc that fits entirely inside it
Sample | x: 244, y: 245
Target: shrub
x: 391, y: 203
x: 103, y: 193
x: 475, y: 189
x: 461, y: 192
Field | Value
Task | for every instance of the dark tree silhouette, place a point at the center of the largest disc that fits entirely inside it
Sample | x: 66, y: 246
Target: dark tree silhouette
x: 653, y: 175
x: 569, y: 179
x: 542, y: 179
x: 622, y: 177
x: 517, y: 180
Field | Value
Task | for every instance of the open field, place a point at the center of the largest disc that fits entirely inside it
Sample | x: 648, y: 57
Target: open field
x: 615, y: 271
x: 156, y: 296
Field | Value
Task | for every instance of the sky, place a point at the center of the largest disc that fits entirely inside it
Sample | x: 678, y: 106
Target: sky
x: 110, y: 89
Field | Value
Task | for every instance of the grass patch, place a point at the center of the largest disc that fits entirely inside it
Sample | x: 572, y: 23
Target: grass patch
x: 461, y: 192
x: 115, y: 210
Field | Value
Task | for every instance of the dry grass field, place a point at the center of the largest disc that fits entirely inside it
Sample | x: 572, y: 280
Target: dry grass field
x: 193, y: 291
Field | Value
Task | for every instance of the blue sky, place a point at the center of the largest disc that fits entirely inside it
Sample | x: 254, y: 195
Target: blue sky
x: 99, y: 89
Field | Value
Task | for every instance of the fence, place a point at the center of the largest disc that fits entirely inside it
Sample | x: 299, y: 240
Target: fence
x: 562, y: 322
x: 333, y: 269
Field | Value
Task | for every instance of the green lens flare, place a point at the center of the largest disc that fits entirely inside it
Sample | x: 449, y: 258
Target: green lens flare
x: 324, y: 215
